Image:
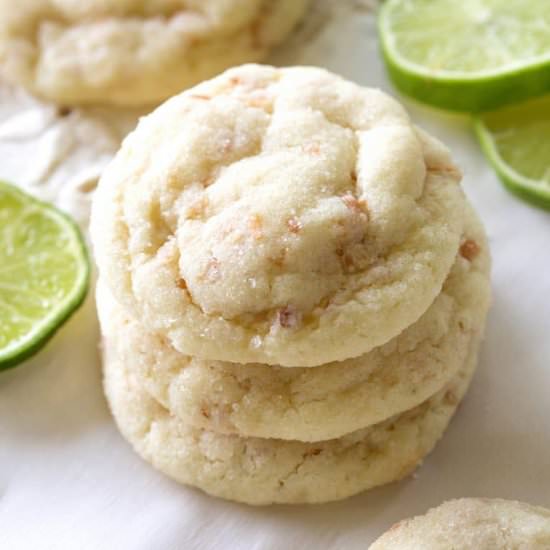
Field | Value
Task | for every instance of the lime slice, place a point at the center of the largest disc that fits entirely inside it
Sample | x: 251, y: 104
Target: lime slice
x: 516, y: 140
x: 467, y: 55
x: 44, y: 273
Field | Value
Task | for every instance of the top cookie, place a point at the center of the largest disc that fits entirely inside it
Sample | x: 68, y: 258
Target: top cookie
x: 472, y: 524
x: 134, y: 52
x: 282, y: 216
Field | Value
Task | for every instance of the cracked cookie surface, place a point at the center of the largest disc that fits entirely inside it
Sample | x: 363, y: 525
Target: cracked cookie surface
x: 132, y: 52
x: 468, y: 523
x: 265, y: 471
x: 322, y: 403
x: 280, y: 216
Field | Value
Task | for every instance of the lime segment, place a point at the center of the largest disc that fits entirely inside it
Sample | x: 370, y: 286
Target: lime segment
x: 44, y: 273
x: 471, y: 55
x: 516, y: 140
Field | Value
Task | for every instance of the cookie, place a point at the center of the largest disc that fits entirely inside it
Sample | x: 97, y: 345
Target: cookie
x: 279, y: 216
x: 264, y: 471
x: 313, y: 404
x: 472, y: 524
x: 129, y: 52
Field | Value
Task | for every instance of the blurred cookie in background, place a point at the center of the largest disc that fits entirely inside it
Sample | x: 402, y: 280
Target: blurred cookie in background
x: 127, y: 52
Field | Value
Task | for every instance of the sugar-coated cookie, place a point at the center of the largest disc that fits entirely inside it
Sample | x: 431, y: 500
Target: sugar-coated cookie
x: 132, y: 52
x: 264, y: 471
x: 325, y: 402
x: 280, y: 216
x: 472, y: 524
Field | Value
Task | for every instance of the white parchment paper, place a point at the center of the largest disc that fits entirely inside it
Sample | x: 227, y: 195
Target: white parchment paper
x: 69, y: 481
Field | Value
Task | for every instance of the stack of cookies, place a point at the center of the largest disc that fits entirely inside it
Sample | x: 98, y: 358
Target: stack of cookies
x: 292, y: 287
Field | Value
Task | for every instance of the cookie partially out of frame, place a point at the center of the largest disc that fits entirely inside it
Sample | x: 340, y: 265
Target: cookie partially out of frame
x: 264, y: 471
x: 472, y: 524
x: 133, y: 52
x: 279, y: 216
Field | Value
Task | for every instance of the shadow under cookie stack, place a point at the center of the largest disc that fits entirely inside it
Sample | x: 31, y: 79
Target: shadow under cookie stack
x: 292, y: 290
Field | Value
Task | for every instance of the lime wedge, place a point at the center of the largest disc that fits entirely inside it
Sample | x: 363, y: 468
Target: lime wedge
x: 516, y: 140
x: 44, y: 273
x: 467, y: 55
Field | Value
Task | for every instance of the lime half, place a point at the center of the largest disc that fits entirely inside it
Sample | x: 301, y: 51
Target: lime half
x: 467, y: 55
x: 44, y: 273
x: 516, y: 140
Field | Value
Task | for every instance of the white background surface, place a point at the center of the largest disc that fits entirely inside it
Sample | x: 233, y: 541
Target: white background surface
x: 69, y: 481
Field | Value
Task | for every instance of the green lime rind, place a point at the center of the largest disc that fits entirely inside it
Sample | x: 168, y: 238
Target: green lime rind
x: 67, y: 255
x: 461, y: 91
x: 531, y: 191
x: 473, y: 95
